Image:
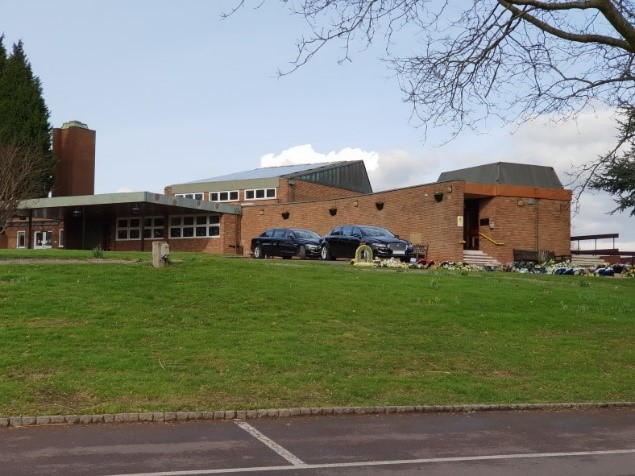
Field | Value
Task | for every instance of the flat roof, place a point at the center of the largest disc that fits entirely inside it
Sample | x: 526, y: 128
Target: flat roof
x: 123, y: 203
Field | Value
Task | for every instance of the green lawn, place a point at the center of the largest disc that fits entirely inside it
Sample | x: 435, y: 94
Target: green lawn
x: 216, y: 333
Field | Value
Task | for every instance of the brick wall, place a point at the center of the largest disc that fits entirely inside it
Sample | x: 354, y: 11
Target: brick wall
x: 514, y: 222
x: 412, y: 213
x: 226, y: 243
x: 75, y: 171
x: 300, y: 191
x: 308, y: 191
x: 10, y: 237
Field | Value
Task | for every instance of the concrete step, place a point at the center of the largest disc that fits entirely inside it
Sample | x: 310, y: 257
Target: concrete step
x: 478, y: 258
x: 586, y: 261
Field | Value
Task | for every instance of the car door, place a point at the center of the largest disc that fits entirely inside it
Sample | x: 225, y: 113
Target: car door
x: 351, y: 238
x: 277, y: 241
x: 265, y: 242
x: 335, y: 242
x: 287, y: 243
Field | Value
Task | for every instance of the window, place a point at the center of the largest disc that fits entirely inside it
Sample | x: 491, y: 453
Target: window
x: 195, y: 226
x: 195, y: 196
x: 43, y: 240
x: 347, y: 231
x: 260, y: 194
x: 21, y: 241
x: 229, y: 196
x: 60, y: 243
x: 129, y: 228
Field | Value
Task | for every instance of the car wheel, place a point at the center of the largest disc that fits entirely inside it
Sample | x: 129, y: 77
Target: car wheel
x: 301, y: 252
x: 325, y: 254
x: 257, y: 253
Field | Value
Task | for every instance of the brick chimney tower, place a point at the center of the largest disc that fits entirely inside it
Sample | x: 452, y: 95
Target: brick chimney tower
x: 74, y: 148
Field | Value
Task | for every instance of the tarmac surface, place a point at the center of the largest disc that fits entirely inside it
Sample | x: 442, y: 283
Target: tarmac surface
x: 597, y: 441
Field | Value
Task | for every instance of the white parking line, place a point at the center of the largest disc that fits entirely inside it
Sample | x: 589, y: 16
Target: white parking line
x: 291, y: 458
x: 455, y: 459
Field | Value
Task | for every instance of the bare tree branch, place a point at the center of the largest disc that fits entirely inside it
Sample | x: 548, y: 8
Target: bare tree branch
x: 510, y: 60
x: 21, y: 172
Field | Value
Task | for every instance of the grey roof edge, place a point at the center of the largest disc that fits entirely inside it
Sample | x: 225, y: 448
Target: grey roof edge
x: 129, y: 197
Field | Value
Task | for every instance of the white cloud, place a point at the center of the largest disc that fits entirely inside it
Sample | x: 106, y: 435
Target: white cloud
x: 398, y: 168
x: 386, y: 170
x: 304, y: 154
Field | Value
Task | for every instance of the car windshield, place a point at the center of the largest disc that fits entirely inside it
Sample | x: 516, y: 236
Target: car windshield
x: 376, y: 231
x: 306, y: 235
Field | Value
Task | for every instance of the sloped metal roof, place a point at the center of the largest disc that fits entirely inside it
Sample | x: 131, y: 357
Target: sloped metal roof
x: 266, y: 172
x: 506, y: 173
x: 349, y: 175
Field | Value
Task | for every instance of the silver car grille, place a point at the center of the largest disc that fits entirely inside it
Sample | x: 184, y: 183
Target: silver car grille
x: 397, y: 247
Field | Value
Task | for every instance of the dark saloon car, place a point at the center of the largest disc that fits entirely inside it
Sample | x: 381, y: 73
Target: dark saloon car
x: 342, y: 241
x: 286, y: 242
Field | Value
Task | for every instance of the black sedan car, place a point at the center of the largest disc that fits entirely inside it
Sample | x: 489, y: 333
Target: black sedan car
x: 342, y: 241
x: 286, y: 242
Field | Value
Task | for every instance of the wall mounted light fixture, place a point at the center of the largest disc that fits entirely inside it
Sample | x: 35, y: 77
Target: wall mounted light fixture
x: 333, y: 211
x: 379, y: 205
x: 285, y: 215
x: 438, y: 196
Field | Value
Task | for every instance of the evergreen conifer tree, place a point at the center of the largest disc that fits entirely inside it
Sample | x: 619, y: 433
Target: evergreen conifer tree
x: 24, y: 117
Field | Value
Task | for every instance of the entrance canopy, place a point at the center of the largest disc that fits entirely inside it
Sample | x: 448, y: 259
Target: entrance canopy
x: 118, y: 204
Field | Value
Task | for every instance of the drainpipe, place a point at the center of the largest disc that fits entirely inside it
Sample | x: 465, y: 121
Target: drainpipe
x: 30, y: 242
x: 536, y: 225
x: 142, y: 228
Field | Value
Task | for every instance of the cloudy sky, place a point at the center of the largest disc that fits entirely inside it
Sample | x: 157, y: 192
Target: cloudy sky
x: 176, y: 94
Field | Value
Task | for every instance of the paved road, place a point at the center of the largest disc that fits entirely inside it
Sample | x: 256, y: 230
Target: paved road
x: 589, y: 442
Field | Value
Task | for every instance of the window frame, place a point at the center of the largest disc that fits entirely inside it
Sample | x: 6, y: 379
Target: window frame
x: 194, y: 226
x: 192, y: 195
x: 17, y: 239
x: 254, y: 192
x: 229, y: 196
x: 154, y: 231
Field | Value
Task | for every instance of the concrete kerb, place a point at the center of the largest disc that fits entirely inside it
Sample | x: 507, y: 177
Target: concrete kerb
x: 20, y: 421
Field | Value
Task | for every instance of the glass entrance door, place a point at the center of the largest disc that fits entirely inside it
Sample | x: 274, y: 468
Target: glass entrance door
x: 43, y: 240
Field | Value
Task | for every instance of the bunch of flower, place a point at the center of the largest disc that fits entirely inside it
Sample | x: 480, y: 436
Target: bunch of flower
x: 459, y: 266
x: 392, y: 263
x: 424, y: 263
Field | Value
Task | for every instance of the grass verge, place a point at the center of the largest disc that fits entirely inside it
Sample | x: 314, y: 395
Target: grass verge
x: 214, y: 333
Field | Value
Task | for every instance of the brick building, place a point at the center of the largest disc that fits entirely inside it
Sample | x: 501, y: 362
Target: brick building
x: 490, y: 209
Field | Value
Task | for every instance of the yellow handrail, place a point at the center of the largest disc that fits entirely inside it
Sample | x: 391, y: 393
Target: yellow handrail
x: 497, y: 243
